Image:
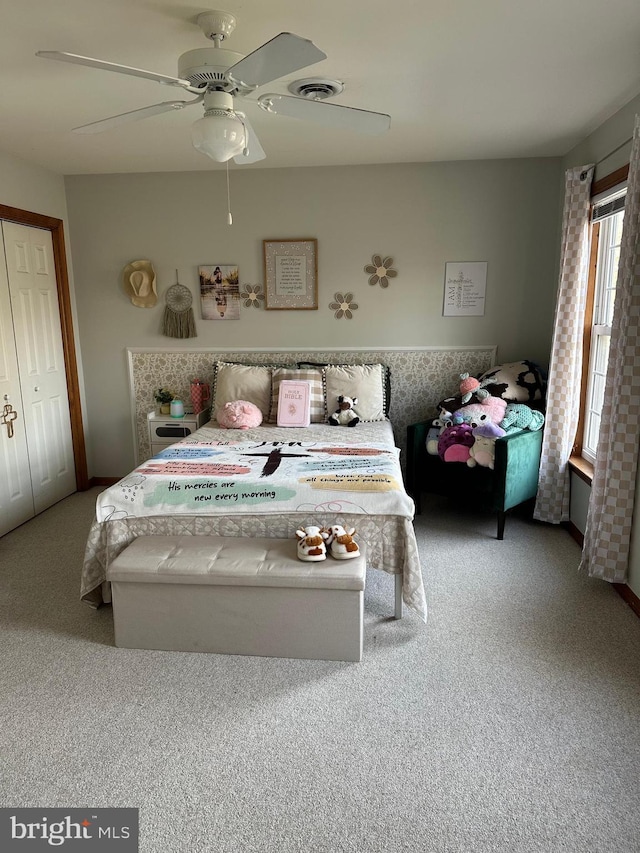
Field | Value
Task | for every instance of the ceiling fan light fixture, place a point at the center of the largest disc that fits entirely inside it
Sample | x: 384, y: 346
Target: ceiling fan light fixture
x: 220, y: 134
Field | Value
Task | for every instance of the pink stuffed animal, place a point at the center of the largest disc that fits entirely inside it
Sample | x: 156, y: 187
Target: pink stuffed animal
x: 239, y: 414
x: 454, y: 443
x: 468, y: 385
x: 490, y: 410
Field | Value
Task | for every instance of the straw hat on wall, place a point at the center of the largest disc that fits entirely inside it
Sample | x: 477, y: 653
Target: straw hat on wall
x: 139, y: 279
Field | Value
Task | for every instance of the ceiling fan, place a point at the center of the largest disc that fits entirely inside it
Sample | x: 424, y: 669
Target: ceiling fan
x: 218, y: 76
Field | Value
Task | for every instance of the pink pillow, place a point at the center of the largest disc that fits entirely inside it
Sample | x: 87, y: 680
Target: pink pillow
x: 239, y: 414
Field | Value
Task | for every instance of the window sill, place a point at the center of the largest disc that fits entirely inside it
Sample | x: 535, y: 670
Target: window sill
x: 581, y: 468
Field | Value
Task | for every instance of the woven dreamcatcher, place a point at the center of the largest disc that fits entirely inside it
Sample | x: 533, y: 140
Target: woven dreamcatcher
x: 178, y: 319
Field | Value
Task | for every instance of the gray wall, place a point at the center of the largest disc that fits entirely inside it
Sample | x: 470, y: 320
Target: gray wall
x: 610, y: 135
x: 30, y: 187
x: 423, y: 215
x: 613, y: 133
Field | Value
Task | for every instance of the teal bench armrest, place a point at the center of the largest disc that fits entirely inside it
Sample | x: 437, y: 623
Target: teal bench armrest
x: 517, y: 463
x: 513, y: 480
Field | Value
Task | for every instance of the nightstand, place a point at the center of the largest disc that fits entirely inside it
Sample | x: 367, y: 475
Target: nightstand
x: 165, y: 430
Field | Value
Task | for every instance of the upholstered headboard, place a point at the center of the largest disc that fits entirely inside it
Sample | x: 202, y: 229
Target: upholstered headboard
x: 420, y: 377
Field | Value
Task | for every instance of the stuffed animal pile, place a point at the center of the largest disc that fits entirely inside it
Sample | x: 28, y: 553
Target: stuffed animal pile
x: 468, y: 424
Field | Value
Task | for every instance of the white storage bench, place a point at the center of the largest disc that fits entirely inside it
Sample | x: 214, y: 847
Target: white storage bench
x: 236, y: 596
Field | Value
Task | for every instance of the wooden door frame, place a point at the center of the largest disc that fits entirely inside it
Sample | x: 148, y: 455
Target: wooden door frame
x: 56, y: 227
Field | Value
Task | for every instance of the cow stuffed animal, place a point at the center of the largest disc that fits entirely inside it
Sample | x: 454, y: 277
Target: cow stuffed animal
x: 344, y: 415
x: 311, y: 543
x: 341, y: 542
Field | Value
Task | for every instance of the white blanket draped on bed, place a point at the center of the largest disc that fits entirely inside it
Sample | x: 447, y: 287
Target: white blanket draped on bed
x: 265, y: 482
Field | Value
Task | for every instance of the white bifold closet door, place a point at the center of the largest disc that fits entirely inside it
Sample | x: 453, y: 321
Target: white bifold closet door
x: 37, y: 466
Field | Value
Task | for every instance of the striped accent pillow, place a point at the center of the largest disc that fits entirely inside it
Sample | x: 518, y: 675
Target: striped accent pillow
x: 314, y: 377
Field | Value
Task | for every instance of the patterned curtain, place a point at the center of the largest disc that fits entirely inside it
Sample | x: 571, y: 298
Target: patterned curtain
x: 565, y: 370
x: 605, y: 552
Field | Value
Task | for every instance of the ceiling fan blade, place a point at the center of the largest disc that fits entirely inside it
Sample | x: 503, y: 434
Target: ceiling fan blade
x: 74, y: 58
x: 329, y: 115
x: 284, y: 54
x: 132, y: 115
x: 254, y: 150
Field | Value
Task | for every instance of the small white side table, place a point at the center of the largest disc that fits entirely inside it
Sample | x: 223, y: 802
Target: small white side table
x: 165, y: 430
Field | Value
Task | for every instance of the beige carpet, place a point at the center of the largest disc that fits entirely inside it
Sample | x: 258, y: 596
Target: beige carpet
x: 509, y: 723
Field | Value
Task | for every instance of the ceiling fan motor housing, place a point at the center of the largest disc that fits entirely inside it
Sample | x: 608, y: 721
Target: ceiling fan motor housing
x: 207, y: 66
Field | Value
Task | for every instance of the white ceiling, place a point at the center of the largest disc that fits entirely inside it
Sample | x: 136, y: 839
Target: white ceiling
x: 461, y: 79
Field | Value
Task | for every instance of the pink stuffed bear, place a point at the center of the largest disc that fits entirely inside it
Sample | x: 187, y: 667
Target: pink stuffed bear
x: 239, y: 414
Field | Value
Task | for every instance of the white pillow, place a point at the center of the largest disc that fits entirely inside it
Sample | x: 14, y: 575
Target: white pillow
x: 364, y: 381
x: 314, y: 377
x: 243, y: 382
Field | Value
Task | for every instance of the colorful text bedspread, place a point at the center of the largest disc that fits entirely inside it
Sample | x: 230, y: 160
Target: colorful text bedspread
x: 200, y: 477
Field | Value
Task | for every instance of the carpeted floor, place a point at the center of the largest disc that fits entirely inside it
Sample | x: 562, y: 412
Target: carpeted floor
x: 510, y: 722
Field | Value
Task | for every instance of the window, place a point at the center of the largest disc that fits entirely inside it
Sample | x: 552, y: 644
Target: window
x: 606, y: 234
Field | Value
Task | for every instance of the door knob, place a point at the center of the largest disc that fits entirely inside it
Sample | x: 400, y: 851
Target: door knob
x: 37, y: 388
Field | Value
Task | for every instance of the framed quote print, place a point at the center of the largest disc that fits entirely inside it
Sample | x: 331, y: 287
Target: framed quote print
x: 291, y: 274
x: 465, y: 285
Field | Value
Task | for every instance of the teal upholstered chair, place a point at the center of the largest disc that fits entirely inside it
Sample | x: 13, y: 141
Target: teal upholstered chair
x: 513, y: 480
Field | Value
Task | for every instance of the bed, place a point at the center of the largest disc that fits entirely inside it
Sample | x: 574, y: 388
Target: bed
x: 266, y: 481
x: 271, y: 480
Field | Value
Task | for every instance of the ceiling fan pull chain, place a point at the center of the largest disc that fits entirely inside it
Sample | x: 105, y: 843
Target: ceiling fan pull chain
x: 229, y: 217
